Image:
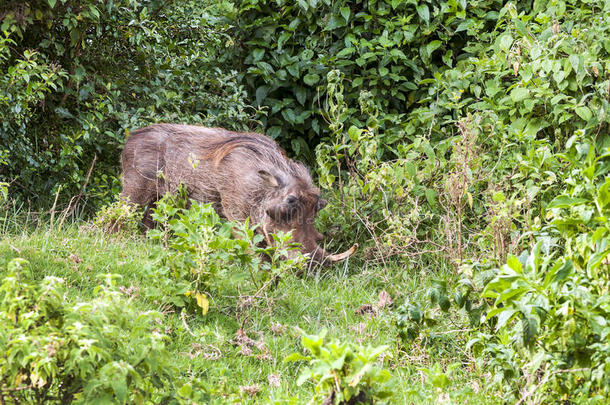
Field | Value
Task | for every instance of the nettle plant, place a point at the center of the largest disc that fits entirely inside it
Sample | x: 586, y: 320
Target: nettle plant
x: 343, y: 372
x: 102, y: 351
x: 203, y: 251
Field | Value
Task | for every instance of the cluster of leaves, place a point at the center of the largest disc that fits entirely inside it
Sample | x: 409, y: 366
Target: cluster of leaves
x: 373, y: 198
x: 385, y: 47
x: 102, y: 351
x: 516, y: 93
x: 344, y: 373
x: 76, y: 76
x: 119, y: 217
x: 202, y: 253
x: 550, y: 306
x: 543, y: 316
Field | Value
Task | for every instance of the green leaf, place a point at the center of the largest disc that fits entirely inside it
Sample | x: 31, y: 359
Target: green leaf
x: 354, y: 133
x: 505, y: 42
x: 564, y: 201
x: 514, y: 263
x: 584, y: 112
x: 575, y: 61
x: 261, y: 94
x: 258, y: 54
x: 504, y: 316
x: 311, y: 79
x: 431, y: 196
x: 345, y: 11
x: 530, y: 329
x: 52, y: 3
x: 296, y: 357
x: 301, y: 94
x: 519, y: 94
x: 432, y: 46
x: 423, y: 12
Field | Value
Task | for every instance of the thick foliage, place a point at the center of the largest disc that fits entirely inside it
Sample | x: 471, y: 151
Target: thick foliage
x: 102, y: 351
x: 392, y: 49
x: 543, y: 315
x: 344, y: 373
x: 202, y: 253
x: 78, y: 75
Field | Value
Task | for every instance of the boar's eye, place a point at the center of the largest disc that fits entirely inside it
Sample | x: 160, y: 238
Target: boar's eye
x: 291, y: 199
x: 321, y: 204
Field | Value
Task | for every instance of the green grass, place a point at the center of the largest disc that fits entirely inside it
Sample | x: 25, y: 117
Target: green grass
x: 203, y: 346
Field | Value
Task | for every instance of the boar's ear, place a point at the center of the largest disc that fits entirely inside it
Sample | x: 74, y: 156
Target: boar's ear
x: 268, y: 179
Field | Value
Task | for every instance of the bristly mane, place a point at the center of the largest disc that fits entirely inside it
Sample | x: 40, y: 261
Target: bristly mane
x: 264, y: 148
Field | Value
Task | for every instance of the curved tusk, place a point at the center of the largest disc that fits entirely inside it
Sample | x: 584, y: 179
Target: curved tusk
x: 344, y: 255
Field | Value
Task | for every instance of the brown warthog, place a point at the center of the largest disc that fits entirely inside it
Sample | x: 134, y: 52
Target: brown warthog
x: 242, y: 174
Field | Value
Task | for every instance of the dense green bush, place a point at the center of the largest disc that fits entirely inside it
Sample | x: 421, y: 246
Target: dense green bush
x: 202, y: 253
x: 77, y: 76
x: 388, y: 48
x: 102, y: 351
x: 343, y: 372
x: 543, y: 316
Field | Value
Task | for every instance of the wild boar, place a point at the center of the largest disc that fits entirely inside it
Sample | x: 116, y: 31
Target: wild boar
x: 241, y: 174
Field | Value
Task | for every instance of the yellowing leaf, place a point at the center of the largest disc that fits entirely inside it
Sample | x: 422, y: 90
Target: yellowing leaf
x: 203, y: 302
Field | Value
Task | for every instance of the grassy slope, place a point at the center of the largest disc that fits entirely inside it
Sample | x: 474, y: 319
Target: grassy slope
x: 328, y: 300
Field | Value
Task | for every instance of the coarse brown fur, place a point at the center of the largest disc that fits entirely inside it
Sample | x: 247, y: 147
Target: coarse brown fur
x: 241, y: 174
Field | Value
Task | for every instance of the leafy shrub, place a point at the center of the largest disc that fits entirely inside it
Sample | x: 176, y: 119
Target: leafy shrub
x: 102, y: 351
x: 371, y: 198
x: 119, y: 217
x: 544, y: 330
x: 391, y: 49
x: 77, y: 76
x: 203, y: 251
x: 344, y: 373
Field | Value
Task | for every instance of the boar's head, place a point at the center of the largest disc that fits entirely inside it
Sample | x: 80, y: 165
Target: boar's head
x: 292, y: 204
